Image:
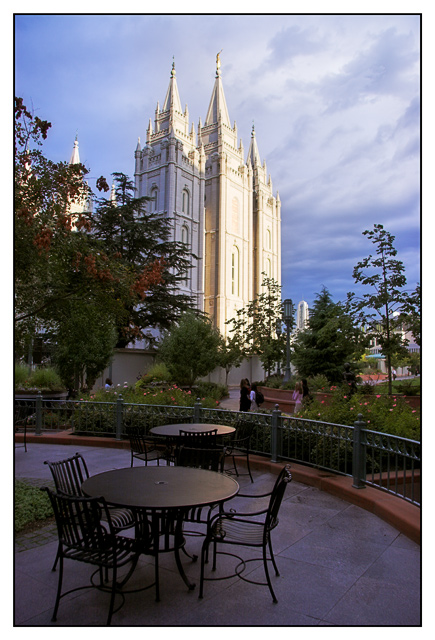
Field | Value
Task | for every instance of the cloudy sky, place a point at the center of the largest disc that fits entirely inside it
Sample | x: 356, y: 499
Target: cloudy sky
x: 335, y: 100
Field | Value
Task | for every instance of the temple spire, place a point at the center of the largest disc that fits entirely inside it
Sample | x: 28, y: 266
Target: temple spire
x: 218, y: 105
x: 75, y: 157
x: 172, y: 100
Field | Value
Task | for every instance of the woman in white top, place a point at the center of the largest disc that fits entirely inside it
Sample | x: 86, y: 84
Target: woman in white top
x: 253, y: 398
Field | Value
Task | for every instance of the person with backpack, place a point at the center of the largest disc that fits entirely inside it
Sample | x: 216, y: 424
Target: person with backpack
x: 256, y: 397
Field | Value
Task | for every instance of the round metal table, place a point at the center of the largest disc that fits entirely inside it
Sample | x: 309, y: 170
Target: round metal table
x: 173, y: 430
x: 163, y: 494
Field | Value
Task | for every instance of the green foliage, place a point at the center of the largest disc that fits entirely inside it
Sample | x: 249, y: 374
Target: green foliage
x: 159, y: 372
x: 212, y: 390
x: 318, y: 383
x: 31, y: 505
x: 21, y: 375
x: 85, y: 341
x: 386, y: 304
x: 331, y: 340
x: 138, y: 241
x: 381, y: 412
x: 191, y: 349
x: 43, y: 378
x: 254, y: 326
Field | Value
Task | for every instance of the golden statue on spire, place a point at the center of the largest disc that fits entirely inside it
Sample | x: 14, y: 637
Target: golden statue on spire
x: 218, y: 60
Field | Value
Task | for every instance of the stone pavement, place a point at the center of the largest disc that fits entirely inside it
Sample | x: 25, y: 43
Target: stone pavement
x: 340, y: 566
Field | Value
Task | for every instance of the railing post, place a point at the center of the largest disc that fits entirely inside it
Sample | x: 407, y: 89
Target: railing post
x: 119, y: 417
x: 197, y: 410
x: 275, y: 435
x: 38, y: 428
x: 358, y: 457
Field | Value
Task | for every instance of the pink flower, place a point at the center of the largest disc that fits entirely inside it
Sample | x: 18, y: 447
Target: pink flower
x: 391, y: 409
x: 323, y: 402
x: 378, y: 396
x: 414, y: 411
x: 345, y: 397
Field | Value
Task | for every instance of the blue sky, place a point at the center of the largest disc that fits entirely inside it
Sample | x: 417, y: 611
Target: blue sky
x: 335, y: 100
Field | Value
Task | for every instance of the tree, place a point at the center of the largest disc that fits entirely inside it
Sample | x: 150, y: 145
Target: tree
x: 230, y: 355
x: 191, y: 349
x: 330, y: 340
x: 83, y: 345
x: 138, y: 240
x: 380, y: 309
x: 57, y: 261
x: 254, y: 326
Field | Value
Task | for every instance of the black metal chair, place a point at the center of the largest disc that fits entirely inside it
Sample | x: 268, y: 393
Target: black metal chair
x: 69, y: 475
x: 239, y: 445
x: 209, y: 459
x: 247, y: 530
x: 21, y: 418
x: 144, y: 447
x: 86, y: 534
x: 198, y: 439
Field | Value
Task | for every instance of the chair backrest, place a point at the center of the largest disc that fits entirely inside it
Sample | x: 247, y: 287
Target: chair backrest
x: 212, y: 459
x: 204, y: 439
x: 276, y: 497
x: 244, y: 429
x: 137, y: 440
x: 78, y: 521
x: 69, y: 474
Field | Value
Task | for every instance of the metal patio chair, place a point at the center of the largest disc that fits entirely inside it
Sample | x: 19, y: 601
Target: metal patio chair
x: 198, y: 440
x: 247, y: 530
x: 86, y: 534
x: 239, y: 445
x: 21, y: 418
x: 209, y: 459
x: 144, y: 447
x: 69, y: 475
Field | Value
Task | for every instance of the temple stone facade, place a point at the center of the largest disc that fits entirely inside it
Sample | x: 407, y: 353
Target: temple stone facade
x: 221, y: 204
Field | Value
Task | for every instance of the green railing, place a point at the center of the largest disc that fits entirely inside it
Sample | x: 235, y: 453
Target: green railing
x: 387, y: 462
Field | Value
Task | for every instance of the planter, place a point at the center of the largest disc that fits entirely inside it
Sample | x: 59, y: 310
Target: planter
x: 282, y: 397
x: 46, y: 395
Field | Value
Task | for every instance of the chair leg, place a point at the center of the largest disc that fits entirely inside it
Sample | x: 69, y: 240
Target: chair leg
x: 204, y: 554
x: 53, y: 568
x: 59, y: 588
x: 266, y: 571
x: 112, y: 596
x: 273, y: 557
x: 249, y: 468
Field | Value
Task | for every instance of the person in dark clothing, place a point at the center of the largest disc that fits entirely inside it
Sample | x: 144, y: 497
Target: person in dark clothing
x: 245, y: 402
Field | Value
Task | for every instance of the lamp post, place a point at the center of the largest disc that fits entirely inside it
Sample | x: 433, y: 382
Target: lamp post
x: 288, y: 319
x: 279, y: 333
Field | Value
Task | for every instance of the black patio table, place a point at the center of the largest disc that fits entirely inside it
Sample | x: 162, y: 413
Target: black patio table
x: 162, y: 494
x: 173, y: 430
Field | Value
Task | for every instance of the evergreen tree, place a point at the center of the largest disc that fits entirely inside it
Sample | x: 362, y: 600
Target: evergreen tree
x: 139, y: 241
x: 330, y: 340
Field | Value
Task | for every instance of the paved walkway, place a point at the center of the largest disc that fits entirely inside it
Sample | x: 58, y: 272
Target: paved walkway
x: 340, y: 565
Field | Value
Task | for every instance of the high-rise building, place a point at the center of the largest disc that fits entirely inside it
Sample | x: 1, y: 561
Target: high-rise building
x: 221, y: 205
x: 302, y: 316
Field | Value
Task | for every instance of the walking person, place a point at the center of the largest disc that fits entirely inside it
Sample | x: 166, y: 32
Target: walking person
x: 245, y: 401
x: 297, y: 397
x: 253, y: 398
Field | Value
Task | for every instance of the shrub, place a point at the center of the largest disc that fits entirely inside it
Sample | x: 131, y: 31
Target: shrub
x: 388, y: 414
x: 31, y: 505
x: 43, y: 378
x: 21, y: 375
x: 318, y: 383
x: 159, y: 372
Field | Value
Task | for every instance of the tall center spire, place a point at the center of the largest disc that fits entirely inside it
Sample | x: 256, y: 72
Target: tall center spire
x: 218, y: 104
